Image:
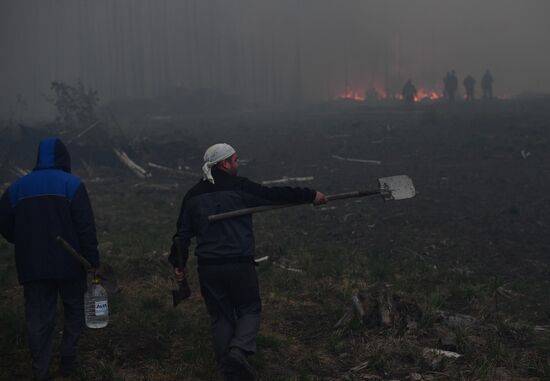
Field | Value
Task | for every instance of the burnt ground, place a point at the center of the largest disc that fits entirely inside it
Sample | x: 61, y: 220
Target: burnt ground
x: 475, y: 241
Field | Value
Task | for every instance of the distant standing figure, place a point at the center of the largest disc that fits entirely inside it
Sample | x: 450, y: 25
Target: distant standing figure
x: 487, y: 85
x: 469, y: 85
x: 38, y: 207
x: 409, y: 92
x: 446, y: 87
x: 453, y: 86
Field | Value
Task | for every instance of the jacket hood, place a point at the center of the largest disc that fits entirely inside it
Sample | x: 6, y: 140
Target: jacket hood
x: 52, y: 154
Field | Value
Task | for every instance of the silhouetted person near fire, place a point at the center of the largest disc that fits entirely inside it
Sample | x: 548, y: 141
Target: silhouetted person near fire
x: 487, y: 85
x: 469, y: 85
x: 451, y: 86
x: 446, y: 81
x: 408, y: 92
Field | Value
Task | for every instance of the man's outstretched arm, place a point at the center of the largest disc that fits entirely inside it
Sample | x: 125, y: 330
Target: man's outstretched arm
x: 281, y: 195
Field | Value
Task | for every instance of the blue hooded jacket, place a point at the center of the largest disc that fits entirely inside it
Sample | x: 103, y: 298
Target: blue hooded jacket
x: 47, y: 203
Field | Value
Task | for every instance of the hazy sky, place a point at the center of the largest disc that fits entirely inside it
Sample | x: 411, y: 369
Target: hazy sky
x: 273, y: 51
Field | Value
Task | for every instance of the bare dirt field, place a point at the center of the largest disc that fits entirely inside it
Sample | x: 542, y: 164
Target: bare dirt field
x: 462, y: 267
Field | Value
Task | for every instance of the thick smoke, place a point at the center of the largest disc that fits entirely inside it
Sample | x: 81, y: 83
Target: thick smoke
x: 268, y: 51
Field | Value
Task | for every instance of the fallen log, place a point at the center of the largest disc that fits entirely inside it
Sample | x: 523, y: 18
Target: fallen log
x: 20, y: 171
x: 359, y: 367
x: 457, y: 320
x: 508, y: 293
x: 135, y: 168
x: 171, y: 171
x: 286, y: 179
x: 378, y: 162
x: 435, y: 357
x: 157, y: 187
x: 288, y: 268
x: 261, y: 259
x: 440, y: 352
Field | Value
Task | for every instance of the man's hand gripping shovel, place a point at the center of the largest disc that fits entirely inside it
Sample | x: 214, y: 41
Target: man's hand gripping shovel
x: 105, y: 272
x: 183, y: 291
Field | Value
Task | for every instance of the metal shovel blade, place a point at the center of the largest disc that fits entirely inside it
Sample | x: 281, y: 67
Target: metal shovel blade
x: 396, y: 187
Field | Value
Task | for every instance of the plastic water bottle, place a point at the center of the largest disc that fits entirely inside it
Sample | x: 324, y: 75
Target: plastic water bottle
x: 96, y: 306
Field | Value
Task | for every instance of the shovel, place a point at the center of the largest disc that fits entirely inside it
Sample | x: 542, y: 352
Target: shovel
x: 106, y: 272
x: 183, y: 291
x: 390, y: 188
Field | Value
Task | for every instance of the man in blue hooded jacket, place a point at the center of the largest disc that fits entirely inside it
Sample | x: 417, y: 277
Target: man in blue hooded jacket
x: 34, y: 210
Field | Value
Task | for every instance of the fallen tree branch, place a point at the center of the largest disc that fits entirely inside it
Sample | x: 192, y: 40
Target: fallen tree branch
x: 457, y: 320
x: 360, y: 367
x: 85, y: 131
x: 288, y: 268
x: 135, y: 168
x: 358, y: 306
x: 508, y: 293
x: 439, y: 352
x: 378, y: 162
x: 344, y: 320
x: 260, y: 260
x: 20, y: 171
x: 177, y: 172
x: 159, y: 187
x: 286, y: 179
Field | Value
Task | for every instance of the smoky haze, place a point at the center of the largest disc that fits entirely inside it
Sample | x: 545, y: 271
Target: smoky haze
x: 268, y: 52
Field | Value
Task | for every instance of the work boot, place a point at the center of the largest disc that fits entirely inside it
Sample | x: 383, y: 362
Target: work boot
x: 237, y: 366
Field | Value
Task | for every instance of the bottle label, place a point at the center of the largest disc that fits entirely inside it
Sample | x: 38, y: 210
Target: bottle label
x: 101, y: 308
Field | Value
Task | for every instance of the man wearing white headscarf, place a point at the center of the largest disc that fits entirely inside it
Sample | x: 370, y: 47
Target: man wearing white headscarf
x: 213, y: 155
x: 225, y: 253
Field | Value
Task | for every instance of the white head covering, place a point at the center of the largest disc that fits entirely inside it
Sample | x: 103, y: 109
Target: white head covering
x: 213, y: 155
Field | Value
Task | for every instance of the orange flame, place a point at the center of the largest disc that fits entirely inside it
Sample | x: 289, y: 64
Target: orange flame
x: 356, y: 95
x: 423, y: 94
x: 361, y: 94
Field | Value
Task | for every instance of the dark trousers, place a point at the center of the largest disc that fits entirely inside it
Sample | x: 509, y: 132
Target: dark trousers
x: 232, y: 297
x: 40, y: 308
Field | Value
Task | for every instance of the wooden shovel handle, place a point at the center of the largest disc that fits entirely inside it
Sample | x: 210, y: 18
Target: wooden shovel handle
x: 69, y: 249
x: 265, y: 208
x: 342, y: 196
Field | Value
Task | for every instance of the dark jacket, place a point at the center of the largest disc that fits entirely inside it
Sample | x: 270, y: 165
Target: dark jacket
x: 231, y: 239
x: 47, y: 203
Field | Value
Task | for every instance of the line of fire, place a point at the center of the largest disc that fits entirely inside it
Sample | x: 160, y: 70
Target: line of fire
x: 379, y: 94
